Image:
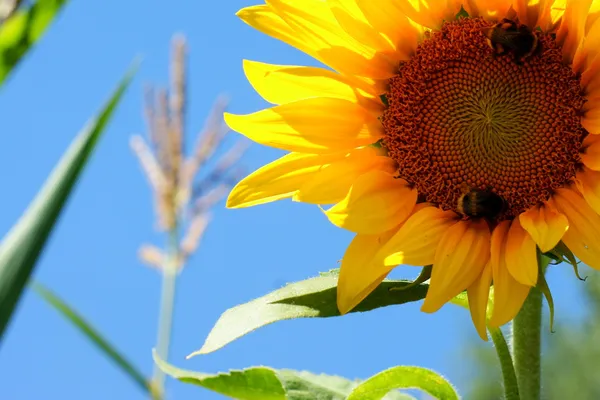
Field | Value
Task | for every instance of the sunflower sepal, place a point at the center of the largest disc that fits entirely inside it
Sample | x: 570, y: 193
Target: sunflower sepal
x: 543, y: 287
x: 461, y: 14
x: 423, y: 277
x: 561, y: 253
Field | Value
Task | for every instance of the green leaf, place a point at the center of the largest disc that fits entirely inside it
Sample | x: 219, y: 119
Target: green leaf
x: 257, y: 383
x: 93, y: 335
x: 311, y: 298
x: 264, y: 383
x: 303, y: 385
x: 20, y: 248
x: 25, y: 27
x: 404, y: 377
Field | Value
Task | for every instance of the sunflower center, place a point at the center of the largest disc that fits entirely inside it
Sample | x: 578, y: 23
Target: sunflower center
x: 460, y: 117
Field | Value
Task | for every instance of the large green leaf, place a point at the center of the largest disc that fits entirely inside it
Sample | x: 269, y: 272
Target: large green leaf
x: 20, y: 248
x: 20, y: 31
x: 315, y: 297
x: 264, y: 383
x: 404, y: 377
x: 94, y: 336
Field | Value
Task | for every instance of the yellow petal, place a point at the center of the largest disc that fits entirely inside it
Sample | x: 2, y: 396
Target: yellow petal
x: 592, y: 104
x: 572, y: 28
x: 590, y: 81
x: 387, y: 18
x: 590, y: 74
x: 591, y: 120
x: 591, y: 152
x: 416, y: 241
x: 280, y: 84
x: 588, y: 49
x: 358, y: 275
x: 588, y: 183
x: 314, y: 21
x: 557, y: 10
x: 545, y: 225
x: 489, y: 9
x: 318, y: 125
x: 376, y: 203
x: 478, y: 294
x: 264, y: 19
x: 332, y: 183
x: 593, y: 14
x: 532, y: 14
x: 461, y: 255
x: 521, y: 255
x: 278, y: 180
x: 584, y: 226
x: 509, y: 294
x: 429, y: 13
x: 351, y: 18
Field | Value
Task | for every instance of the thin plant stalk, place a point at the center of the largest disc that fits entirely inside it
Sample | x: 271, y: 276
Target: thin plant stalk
x: 182, y: 197
x: 167, y: 302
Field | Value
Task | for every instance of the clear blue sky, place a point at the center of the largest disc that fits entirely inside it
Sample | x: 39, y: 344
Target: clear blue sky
x: 91, y: 259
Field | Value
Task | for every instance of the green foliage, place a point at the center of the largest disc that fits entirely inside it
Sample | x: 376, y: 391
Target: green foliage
x: 263, y: 383
x: 19, y: 32
x: 315, y: 297
x: 569, y: 364
x: 404, y: 377
x: 22, y: 246
x: 92, y: 335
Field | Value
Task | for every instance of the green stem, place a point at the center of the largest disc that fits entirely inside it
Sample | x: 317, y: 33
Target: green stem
x: 526, y: 329
x: 511, y: 388
x: 167, y: 300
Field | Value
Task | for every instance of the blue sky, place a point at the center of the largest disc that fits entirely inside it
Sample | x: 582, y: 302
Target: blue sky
x: 91, y: 259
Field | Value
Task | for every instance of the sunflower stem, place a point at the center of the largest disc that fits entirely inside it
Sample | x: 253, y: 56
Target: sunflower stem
x: 527, y: 341
x: 511, y: 387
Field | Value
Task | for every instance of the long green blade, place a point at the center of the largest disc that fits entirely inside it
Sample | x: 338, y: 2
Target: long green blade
x: 22, y: 30
x: 92, y: 334
x: 21, y: 247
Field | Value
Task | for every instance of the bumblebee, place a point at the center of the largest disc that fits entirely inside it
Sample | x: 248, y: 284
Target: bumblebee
x: 508, y: 35
x: 478, y: 203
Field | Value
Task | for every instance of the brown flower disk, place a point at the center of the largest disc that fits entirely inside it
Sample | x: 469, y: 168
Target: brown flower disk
x: 461, y: 117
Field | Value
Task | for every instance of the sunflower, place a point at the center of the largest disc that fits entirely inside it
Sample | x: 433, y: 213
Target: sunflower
x: 436, y: 137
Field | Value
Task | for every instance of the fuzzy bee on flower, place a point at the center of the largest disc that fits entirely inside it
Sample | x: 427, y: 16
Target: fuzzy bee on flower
x: 508, y: 35
x: 478, y: 203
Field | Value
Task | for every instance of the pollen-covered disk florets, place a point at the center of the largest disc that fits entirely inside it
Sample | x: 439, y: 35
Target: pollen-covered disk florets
x: 460, y: 116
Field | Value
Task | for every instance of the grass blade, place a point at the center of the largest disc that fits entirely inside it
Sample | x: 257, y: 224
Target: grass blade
x: 21, y: 247
x: 92, y: 334
x: 22, y: 30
